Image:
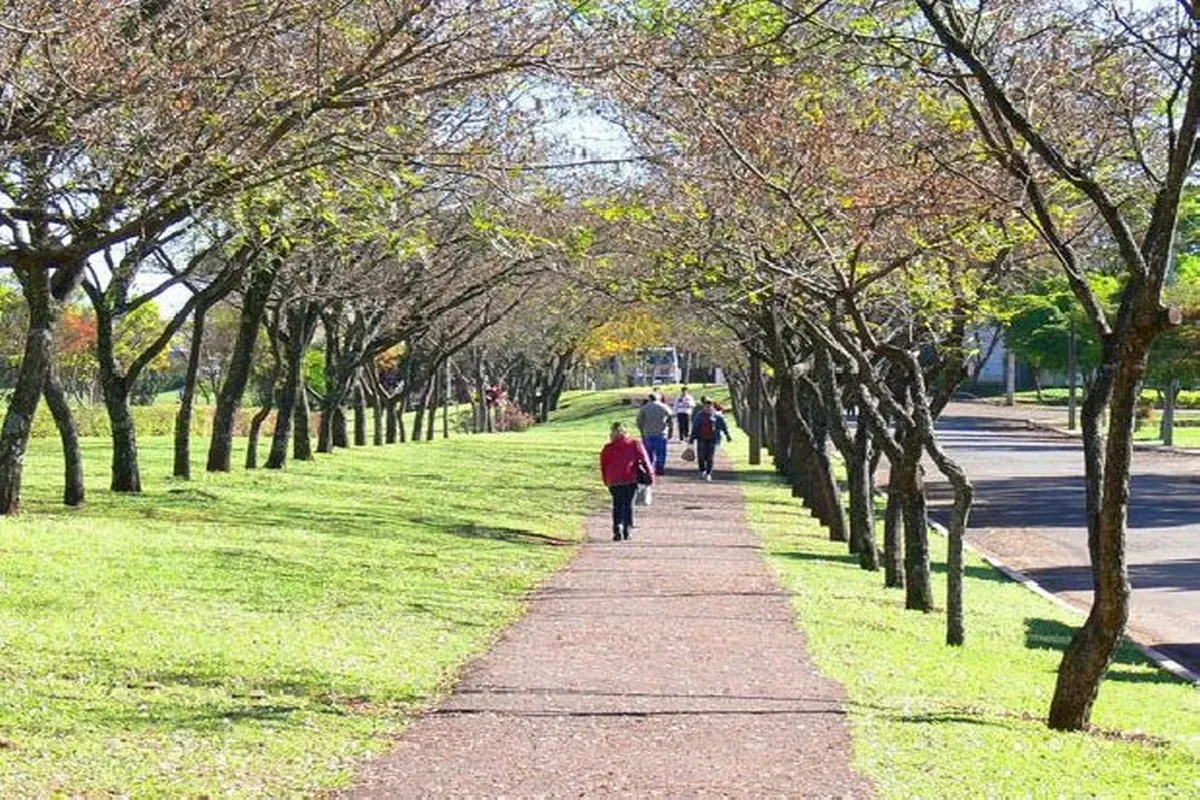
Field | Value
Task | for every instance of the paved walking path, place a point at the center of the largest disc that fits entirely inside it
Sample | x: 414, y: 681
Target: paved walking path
x: 669, y: 665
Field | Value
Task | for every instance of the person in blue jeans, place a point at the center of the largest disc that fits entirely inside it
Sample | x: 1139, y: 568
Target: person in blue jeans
x: 708, y: 425
x: 655, y: 422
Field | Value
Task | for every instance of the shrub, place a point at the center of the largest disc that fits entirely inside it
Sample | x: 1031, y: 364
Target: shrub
x: 512, y: 418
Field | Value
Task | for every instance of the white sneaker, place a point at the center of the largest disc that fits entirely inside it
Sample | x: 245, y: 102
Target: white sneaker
x: 708, y: 476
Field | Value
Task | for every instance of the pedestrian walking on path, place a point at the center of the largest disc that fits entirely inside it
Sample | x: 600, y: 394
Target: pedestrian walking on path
x: 670, y: 667
x: 685, y: 406
x: 623, y: 464
x: 654, y: 422
x: 707, y: 428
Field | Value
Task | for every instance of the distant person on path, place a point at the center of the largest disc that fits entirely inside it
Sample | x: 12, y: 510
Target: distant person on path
x: 685, y: 406
x: 707, y: 426
x: 654, y: 423
x: 619, y: 462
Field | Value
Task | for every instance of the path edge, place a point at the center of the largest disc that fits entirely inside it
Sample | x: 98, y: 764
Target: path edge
x: 459, y: 674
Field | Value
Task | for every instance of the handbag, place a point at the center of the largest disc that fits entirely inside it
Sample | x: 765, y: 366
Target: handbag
x: 689, y: 453
x: 644, y: 478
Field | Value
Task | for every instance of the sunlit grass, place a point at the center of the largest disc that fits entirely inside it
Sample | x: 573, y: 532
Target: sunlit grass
x: 935, y: 721
x: 255, y: 633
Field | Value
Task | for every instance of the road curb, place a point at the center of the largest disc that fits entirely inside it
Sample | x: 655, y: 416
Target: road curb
x: 1142, y: 446
x: 1160, y: 658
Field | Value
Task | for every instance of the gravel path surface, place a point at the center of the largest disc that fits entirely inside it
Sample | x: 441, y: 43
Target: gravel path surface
x: 666, y: 666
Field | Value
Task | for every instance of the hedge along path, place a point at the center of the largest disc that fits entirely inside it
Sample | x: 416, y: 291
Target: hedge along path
x: 667, y: 665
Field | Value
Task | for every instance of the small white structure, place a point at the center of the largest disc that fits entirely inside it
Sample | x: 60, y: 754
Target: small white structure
x: 656, y: 365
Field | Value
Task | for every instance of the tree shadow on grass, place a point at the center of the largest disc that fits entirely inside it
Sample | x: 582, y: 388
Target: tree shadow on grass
x: 1050, y: 634
x: 961, y: 717
x: 983, y: 573
x: 759, y: 477
x: 797, y: 555
x: 512, y: 535
x: 212, y: 718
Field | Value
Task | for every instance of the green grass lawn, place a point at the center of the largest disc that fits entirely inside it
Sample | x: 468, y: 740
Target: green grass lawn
x: 934, y: 721
x: 1184, y: 437
x: 256, y: 633
x: 1058, y: 395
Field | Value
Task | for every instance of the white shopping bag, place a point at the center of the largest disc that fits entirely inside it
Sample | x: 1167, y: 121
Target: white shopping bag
x: 644, y: 496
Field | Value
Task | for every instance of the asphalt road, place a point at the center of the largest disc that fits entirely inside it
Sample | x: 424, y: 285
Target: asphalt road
x: 1029, y: 512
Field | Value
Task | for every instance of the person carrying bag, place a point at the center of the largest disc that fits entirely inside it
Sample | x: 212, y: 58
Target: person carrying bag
x: 624, y: 463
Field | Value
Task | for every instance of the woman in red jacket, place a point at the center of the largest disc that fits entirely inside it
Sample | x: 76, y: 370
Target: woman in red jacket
x: 619, y: 462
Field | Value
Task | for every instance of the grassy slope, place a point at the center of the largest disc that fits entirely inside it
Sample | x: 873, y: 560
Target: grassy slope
x: 933, y: 721
x: 255, y: 633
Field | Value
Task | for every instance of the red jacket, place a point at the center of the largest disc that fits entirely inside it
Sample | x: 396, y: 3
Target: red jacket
x: 619, y: 459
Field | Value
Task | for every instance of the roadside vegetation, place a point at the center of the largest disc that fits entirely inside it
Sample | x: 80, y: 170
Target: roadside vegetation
x: 936, y: 721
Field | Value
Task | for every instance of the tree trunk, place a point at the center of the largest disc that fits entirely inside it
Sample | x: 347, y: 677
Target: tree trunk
x: 56, y: 399
x: 1166, y: 428
x: 418, y: 427
x: 22, y: 405
x: 183, y: 418
x: 377, y: 419
x: 754, y: 411
x: 446, y: 400
x: 301, y: 434
x: 918, y: 584
x: 862, y: 500
x: 241, y: 363
x: 126, y: 477
x: 256, y: 423
x: 261, y: 415
x: 1107, y: 467
x: 956, y: 535
x: 401, y: 410
x: 781, y: 453
x: 482, y: 410
x: 289, y: 395
x: 360, y: 418
x: 325, y: 429
x: 431, y: 418
x: 893, y: 541
x: 424, y: 407
x: 391, y: 420
x: 125, y: 474
x: 827, y: 488
x: 341, y: 427
x: 301, y: 323
x: 1072, y: 376
x: 1010, y: 376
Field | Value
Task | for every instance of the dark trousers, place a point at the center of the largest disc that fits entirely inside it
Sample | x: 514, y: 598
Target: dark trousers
x: 705, y: 449
x: 684, y: 419
x: 623, y: 504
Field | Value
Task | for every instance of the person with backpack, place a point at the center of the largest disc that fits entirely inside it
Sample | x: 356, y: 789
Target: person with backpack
x: 654, y: 422
x: 708, y: 425
x: 622, y: 460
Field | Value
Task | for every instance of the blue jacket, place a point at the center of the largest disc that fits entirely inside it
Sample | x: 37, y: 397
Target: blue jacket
x: 719, y: 426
